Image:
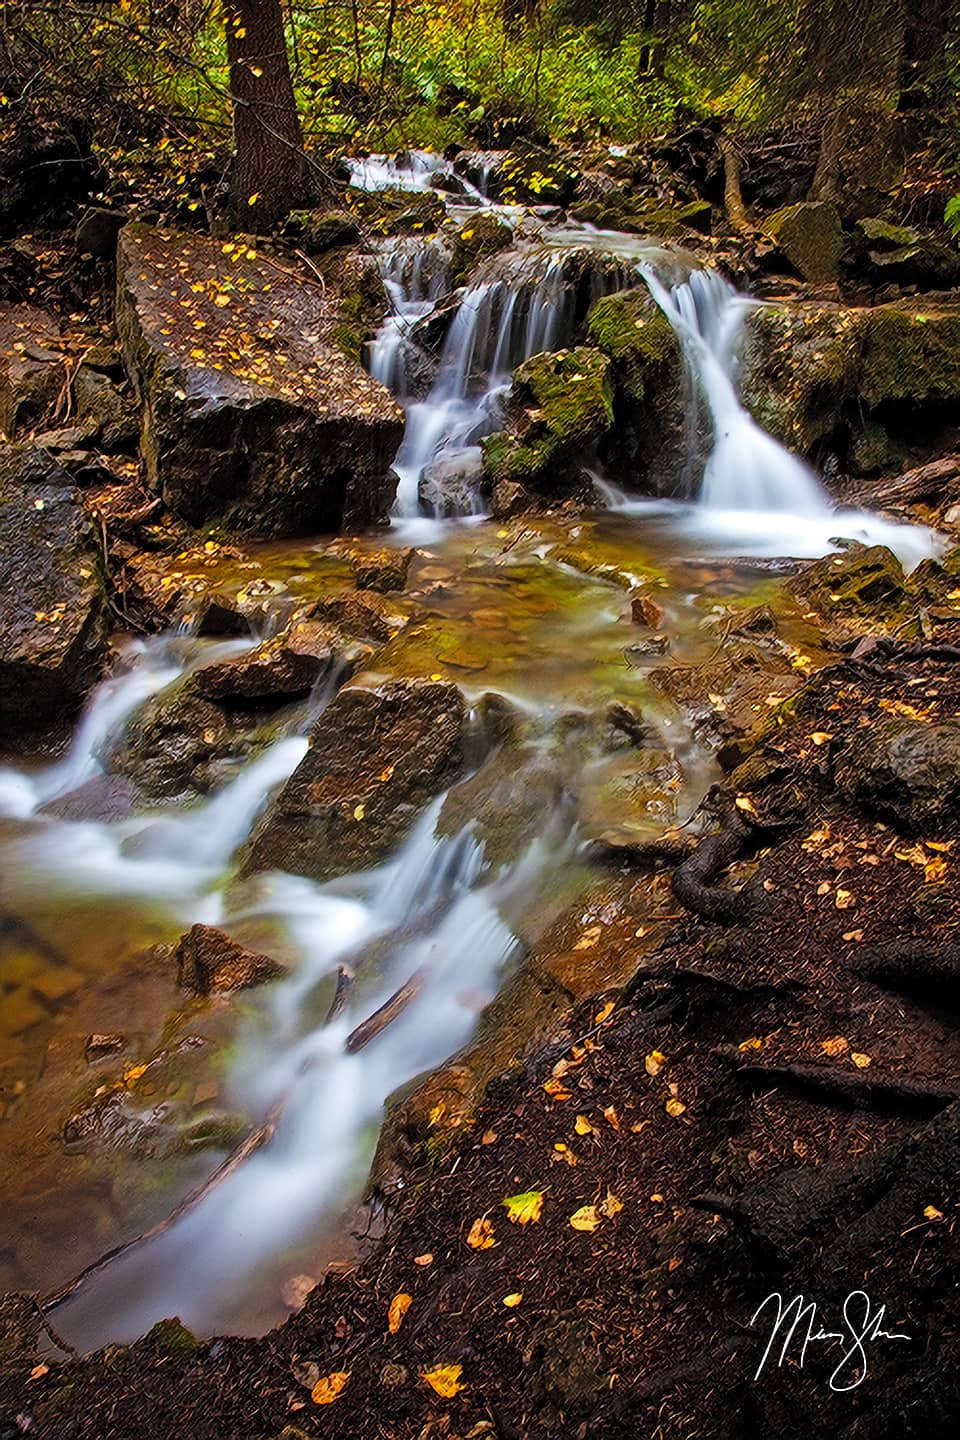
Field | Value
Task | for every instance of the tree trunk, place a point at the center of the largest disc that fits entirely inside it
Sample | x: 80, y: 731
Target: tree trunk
x: 269, y: 171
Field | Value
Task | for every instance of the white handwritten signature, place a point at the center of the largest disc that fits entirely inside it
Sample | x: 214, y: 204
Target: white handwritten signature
x: 795, y: 1324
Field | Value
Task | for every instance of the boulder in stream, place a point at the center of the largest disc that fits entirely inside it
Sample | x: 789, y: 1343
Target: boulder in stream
x: 376, y: 757
x: 209, y: 961
x: 53, y: 635
x: 253, y: 414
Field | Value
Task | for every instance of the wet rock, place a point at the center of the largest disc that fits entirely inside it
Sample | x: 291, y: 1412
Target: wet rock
x: 862, y: 586
x: 649, y: 434
x: 218, y: 615
x: 320, y: 230
x: 481, y: 236
x: 478, y: 166
x: 363, y: 615
x: 107, y: 798
x: 398, y: 212
x: 179, y: 738
x: 558, y: 411
x: 376, y: 757
x: 823, y: 375
x: 810, y: 237
x: 20, y: 1326
x: 99, y: 1046
x: 903, y: 771
x: 172, y: 1338
x: 274, y: 672
x: 281, y: 436
x: 209, y: 961
x: 97, y: 231
x: 107, y: 418
x: 31, y: 368
x: 508, y: 803
x: 452, y: 484
x: 644, y: 610
x: 382, y: 570
x: 53, y: 636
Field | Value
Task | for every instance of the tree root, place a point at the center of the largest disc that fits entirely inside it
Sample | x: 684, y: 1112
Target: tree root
x: 859, y: 1090
x: 908, y: 965
x: 694, y: 881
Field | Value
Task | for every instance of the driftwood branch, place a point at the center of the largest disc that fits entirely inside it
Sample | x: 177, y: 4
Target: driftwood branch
x: 370, y: 1028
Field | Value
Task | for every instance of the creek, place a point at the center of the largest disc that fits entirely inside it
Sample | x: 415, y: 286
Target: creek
x: 536, y: 612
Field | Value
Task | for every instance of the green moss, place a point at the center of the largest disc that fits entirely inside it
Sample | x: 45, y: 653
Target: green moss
x: 172, y: 1338
x: 634, y: 332
x: 562, y: 404
x: 481, y: 236
x: 811, y: 238
x: 911, y: 353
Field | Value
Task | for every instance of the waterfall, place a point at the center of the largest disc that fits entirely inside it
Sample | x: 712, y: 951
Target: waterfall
x: 502, y: 320
x: 747, y: 469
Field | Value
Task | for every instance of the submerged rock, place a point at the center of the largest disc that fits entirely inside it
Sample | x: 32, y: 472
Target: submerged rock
x: 253, y: 415
x: 376, y: 757
x: 53, y: 632
x: 382, y: 570
x: 208, y: 961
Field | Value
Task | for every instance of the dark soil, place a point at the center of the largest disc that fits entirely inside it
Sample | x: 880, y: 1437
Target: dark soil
x: 769, y: 1106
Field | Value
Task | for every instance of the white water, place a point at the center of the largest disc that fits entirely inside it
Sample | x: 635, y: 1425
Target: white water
x: 388, y: 172
x: 755, y: 497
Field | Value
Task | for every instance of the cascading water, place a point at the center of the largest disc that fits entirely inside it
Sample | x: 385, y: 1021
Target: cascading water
x: 755, y: 496
x: 503, y: 319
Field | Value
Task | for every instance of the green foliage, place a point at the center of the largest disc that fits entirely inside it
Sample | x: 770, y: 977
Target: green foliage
x: 951, y: 216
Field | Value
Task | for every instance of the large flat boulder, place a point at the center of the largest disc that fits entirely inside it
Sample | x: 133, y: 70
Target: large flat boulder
x: 376, y: 758
x: 254, y: 416
x: 52, y: 607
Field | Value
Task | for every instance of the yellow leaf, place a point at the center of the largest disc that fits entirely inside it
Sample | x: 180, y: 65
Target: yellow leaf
x: 604, y: 1013
x: 932, y: 1213
x: 488, y: 1137
x: 611, y: 1116
x: 132, y: 1075
x: 386, y: 774
x: 610, y: 1205
x: 512, y: 1301
x: 252, y: 200
x: 935, y: 870
x: 525, y: 1208
x: 820, y: 737
x: 566, y: 1153
x: 835, y: 1046
x: 327, y: 1390
x: 423, y: 1260
x: 845, y: 900
x: 752, y: 1043
x: 444, y: 1379
x: 588, y: 939
x: 359, y: 812
x: 556, y: 1089
x: 221, y: 300
x: 586, y: 1218
x: 480, y: 1235
x: 853, y: 935
x: 654, y: 1062
x: 582, y: 1126
x: 743, y: 802
x: 399, y: 1306
x: 675, y: 1107
x: 861, y: 1061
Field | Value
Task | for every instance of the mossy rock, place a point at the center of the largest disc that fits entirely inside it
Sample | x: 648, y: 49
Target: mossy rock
x: 398, y: 212
x: 811, y: 238
x: 561, y: 405
x: 320, y: 230
x: 633, y: 331
x: 862, y: 587
x: 532, y: 176
x: 481, y: 236
x: 910, y: 353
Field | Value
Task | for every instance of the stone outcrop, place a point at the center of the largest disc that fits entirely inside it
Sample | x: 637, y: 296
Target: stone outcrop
x: 31, y: 368
x: 53, y: 633
x: 376, y: 758
x: 208, y: 961
x: 810, y: 237
x: 253, y: 415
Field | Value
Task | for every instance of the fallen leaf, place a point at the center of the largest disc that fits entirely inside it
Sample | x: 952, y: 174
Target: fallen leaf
x: 512, y: 1301
x: 586, y: 1218
x: 480, y: 1235
x: 860, y: 1060
x: 845, y: 900
x: 654, y: 1062
x: 359, y: 812
x: 40, y: 1370
x: 820, y: 737
x: 605, y: 1012
x: 835, y: 1046
x: 329, y: 1388
x: 930, y: 1213
x: 583, y: 1127
x: 853, y: 935
x: 444, y: 1379
x: 524, y: 1209
x: 588, y: 939
x: 423, y: 1260
x: 744, y: 803
x: 399, y: 1306
x: 488, y: 1137
x: 610, y: 1205
x: 610, y: 1115
x: 556, y: 1089
x: 131, y: 1076
x: 675, y: 1107
x: 752, y: 1043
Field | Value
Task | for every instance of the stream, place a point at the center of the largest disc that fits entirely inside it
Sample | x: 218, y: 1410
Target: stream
x: 536, y: 612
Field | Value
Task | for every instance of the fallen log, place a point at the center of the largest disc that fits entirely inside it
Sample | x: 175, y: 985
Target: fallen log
x: 939, y: 480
